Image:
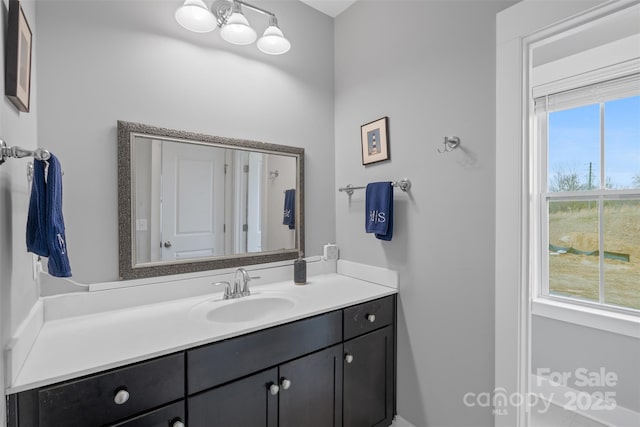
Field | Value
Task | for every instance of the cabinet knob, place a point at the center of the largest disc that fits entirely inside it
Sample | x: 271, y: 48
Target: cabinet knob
x: 348, y: 358
x: 177, y: 423
x: 274, y: 389
x: 371, y: 317
x: 121, y: 397
x: 285, y: 384
x: 167, y: 244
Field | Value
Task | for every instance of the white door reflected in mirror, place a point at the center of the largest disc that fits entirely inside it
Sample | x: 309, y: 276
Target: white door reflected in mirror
x: 193, y: 201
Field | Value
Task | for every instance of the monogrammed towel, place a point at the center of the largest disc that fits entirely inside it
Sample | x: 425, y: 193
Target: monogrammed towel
x: 379, y: 210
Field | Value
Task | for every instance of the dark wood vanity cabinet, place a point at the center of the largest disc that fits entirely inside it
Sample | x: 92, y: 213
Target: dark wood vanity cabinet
x: 331, y: 370
x: 301, y: 387
x: 339, y: 371
x: 369, y: 364
x: 304, y: 392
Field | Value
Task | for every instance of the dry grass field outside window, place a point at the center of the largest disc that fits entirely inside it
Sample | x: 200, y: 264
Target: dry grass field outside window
x: 575, y: 225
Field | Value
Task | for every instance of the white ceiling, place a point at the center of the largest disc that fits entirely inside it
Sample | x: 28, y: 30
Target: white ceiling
x: 332, y: 8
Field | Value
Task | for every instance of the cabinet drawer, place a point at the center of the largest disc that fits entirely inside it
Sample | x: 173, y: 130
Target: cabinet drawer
x: 368, y: 316
x: 221, y: 362
x: 167, y: 416
x: 91, y: 401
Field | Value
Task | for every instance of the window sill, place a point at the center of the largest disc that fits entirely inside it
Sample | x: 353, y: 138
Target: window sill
x: 604, y: 320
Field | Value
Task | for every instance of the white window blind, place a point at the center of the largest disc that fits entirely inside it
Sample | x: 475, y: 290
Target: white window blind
x: 622, y: 87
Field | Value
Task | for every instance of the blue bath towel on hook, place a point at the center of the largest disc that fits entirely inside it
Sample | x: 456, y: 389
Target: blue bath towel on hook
x: 289, y: 214
x: 36, y: 231
x: 379, y: 210
x: 45, y: 223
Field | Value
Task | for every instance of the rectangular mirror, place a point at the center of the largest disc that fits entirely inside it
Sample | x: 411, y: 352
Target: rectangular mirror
x: 192, y: 202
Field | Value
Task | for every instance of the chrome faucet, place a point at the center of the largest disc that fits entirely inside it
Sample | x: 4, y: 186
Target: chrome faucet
x: 240, y: 285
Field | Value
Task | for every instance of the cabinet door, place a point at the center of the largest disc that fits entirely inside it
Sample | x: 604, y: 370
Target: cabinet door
x: 369, y: 379
x: 311, y: 390
x: 243, y: 403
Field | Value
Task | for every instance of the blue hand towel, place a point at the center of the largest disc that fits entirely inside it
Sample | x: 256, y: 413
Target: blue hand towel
x: 45, y: 223
x: 36, y: 233
x: 379, y: 210
x: 289, y: 217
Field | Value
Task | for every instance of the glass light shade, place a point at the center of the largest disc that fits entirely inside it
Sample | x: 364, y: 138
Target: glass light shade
x: 195, y: 16
x: 273, y: 41
x: 237, y: 30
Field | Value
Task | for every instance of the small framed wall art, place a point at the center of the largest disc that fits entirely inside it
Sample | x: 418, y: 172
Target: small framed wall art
x: 17, y: 83
x: 375, y: 141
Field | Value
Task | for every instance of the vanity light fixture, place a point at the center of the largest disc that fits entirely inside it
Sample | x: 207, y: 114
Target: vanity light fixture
x: 236, y: 29
x: 234, y: 26
x: 194, y: 15
x: 273, y: 41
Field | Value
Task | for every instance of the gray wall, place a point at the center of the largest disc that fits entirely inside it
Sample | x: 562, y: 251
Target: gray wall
x: 18, y: 290
x: 101, y: 61
x: 565, y: 347
x: 430, y: 67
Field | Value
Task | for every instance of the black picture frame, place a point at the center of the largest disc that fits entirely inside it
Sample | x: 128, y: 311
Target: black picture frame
x: 374, y: 137
x: 18, y: 58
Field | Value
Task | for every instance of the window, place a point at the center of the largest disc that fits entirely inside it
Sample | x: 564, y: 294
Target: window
x: 587, y: 193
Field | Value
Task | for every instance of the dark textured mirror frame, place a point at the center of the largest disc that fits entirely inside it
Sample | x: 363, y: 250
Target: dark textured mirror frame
x: 125, y: 259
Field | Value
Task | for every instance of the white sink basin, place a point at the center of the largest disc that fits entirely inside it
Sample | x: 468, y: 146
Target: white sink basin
x: 246, y: 309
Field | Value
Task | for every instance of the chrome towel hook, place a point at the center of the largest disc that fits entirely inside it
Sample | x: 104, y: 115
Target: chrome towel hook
x: 450, y: 144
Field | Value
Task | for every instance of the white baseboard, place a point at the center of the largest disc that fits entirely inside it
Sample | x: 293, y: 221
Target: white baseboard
x: 562, y: 396
x: 401, y: 422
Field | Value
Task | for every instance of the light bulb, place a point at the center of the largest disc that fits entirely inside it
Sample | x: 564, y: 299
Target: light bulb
x: 195, y: 16
x: 237, y: 30
x: 273, y: 41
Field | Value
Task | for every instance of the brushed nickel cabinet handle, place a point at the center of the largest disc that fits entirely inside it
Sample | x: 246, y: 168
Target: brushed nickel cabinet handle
x: 121, y: 397
x: 274, y: 389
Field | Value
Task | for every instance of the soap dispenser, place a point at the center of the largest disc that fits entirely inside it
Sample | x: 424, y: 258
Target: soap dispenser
x: 300, y: 271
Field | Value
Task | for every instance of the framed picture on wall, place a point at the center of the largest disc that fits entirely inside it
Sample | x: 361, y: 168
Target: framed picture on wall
x: 375, y: 141
x: 17, y: 84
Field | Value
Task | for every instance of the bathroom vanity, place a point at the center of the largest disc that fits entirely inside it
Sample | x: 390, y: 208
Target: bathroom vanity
x: 328, y: 362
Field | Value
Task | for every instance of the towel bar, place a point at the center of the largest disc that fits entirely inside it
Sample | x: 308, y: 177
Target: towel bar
x: 17, y: 152
x: 404, y: 185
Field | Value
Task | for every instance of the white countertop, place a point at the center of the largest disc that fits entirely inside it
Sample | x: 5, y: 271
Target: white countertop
x: 70, y: 347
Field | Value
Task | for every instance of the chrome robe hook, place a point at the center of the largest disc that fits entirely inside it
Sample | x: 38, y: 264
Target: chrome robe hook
x: 450, y: 144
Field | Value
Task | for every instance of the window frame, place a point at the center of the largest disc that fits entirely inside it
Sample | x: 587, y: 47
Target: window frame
x: 518, y: 29
x: 541, y: 196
